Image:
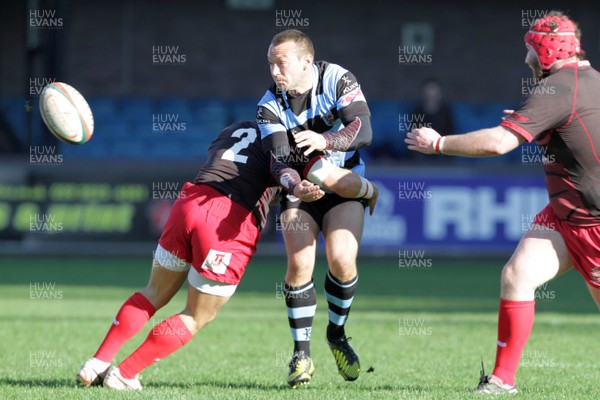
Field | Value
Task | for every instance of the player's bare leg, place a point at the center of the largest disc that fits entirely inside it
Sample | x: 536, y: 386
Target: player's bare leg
x: 595, y: 293
x: 131, y: 318
x: 342, y: 229
x: 167, y: 337
x: 300, y: 232
x: 540, y: 256
x: 163, y: 284
x: 201, y: 309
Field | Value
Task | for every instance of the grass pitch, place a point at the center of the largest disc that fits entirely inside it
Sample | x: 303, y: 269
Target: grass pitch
x: 422, y: 331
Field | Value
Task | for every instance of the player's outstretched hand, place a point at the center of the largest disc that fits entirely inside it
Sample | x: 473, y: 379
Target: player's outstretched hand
x: 312, y: 140
x: 373, y: 199
x: 422, y: 140
x: 308, y: 191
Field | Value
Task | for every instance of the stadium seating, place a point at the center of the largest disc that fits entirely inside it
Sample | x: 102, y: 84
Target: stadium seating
x: 124, y: 127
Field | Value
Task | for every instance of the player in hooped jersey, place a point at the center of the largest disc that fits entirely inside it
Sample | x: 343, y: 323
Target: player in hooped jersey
x: 563, y: 116
x: 210, y: 236
x: 312, y: 118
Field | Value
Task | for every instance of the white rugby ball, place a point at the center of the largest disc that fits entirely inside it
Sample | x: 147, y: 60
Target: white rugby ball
x: 66, y: 113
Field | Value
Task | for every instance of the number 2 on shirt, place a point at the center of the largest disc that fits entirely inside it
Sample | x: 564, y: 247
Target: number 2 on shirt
x: 232, y: 154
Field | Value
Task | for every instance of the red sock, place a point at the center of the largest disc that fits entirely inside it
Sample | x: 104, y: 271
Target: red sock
x: 515, y: 321
x: 131, y: 318
x: 164, y: 339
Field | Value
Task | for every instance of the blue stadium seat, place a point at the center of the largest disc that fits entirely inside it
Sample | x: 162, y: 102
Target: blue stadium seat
x: 243, y: 109
x: 170, y: 149
x: 130, y: 148
x: 385, y: 117
x: 211, y: 110
x: 14, y: 111
x: 93, y: 149
x: 179, y: 107
x: 104, y: 109
x: 110, y: 131
x: 137, y: 109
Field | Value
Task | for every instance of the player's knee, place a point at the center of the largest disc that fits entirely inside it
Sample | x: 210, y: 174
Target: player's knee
x: 299, y: 265
x: 343, y: 267
x: 514, y: 280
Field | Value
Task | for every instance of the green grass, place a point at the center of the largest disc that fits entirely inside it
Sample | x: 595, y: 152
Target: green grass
x: 447, y: 312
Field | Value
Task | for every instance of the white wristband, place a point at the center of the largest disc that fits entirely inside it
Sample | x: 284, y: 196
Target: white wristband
x: 366, y: 189
x: 442, y: 144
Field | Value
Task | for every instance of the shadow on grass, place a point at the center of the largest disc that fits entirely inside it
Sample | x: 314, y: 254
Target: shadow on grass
x: 37, y: 383
x: 217, y: 384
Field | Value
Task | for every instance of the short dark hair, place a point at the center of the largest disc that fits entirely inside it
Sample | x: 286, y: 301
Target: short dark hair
x: 301, y: 39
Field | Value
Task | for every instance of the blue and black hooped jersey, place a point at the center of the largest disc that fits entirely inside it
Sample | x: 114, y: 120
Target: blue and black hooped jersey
x: 333, y: 102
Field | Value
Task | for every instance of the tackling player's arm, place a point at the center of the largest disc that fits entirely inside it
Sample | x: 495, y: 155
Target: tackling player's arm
x: 321, y: 173
x: 346, y: 183
x: 481, y: 143
x: 536, y: 115
x: 275, y: 142
x: 290, y: 180
x: 342, y: 182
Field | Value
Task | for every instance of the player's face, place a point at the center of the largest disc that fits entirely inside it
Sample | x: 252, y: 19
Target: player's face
x: 286, y: 66
x: 531, y: 59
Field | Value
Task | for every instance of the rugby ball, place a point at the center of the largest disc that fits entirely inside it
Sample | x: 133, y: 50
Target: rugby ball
x: 66, y: 113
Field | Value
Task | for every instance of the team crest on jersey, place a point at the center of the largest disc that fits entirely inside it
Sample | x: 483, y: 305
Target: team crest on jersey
x: 352, y: 96
x: 217, y: 261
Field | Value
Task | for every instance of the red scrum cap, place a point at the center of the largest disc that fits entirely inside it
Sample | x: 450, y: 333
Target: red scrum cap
x: 553, y: 38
